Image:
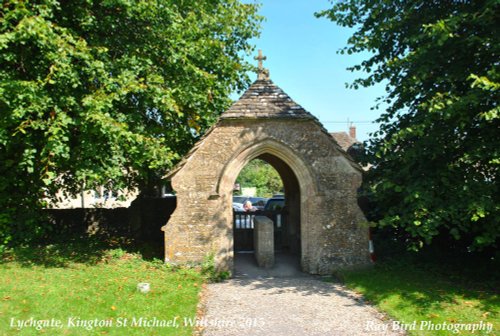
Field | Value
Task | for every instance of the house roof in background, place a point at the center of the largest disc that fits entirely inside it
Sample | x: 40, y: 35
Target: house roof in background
x: 344, y: 140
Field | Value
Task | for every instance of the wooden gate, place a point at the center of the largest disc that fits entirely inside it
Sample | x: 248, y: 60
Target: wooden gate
x: 243, y: 226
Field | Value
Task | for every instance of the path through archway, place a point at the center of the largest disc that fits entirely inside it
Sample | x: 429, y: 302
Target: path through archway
x: 283, y: 210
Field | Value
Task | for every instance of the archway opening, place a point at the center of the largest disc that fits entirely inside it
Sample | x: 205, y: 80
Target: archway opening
x: 273, y: 190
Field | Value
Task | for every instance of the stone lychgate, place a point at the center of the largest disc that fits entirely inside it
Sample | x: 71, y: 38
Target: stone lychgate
x: 326, y: 227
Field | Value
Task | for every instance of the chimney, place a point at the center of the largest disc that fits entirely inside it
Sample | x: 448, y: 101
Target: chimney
x: 352, y: 131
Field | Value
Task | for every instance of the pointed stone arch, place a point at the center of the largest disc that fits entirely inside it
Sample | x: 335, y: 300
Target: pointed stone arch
x: 266, y: 123
x: 294, y: 173
x: 248, y: 152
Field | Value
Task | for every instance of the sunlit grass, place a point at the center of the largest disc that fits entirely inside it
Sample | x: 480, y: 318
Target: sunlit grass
x: 431, y: 296
x: 103, y: 290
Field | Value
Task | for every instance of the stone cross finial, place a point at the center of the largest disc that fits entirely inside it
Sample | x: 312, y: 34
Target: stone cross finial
x: 261, y: 72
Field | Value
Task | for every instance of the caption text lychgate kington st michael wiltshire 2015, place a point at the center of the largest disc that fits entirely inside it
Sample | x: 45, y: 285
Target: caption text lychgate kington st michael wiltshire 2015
x: 75, y: 322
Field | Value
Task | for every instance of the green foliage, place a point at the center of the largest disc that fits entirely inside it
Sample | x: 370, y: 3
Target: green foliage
x: 210, y: 271
x: 261, y: 175
x: 108, y: 93
x: 436, y: 156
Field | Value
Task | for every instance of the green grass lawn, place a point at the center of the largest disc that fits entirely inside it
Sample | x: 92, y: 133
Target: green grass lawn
x: 75, y: 291
x: 435, y: 293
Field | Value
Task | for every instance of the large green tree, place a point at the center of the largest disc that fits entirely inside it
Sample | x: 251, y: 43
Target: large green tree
x: 97, y: 92
x: 436, y: 156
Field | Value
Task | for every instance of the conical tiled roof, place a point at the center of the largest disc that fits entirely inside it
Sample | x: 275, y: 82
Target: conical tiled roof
x: 264, y: 99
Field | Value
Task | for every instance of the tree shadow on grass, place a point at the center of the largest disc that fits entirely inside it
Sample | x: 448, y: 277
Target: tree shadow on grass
x: 425, y: 285
x: 81, y: 250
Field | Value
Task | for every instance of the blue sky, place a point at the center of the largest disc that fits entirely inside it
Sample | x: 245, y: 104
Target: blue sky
x: 302, y: 59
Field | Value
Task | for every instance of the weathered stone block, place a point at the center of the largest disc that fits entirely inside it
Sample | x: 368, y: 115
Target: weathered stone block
x: 264, y: 241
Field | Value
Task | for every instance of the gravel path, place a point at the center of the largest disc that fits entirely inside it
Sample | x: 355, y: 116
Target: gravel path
x: 298, y: 305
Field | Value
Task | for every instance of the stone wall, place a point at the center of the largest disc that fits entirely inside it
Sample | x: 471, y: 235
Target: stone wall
x: 142, y: 221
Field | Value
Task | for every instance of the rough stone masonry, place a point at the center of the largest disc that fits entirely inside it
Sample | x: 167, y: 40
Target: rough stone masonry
x: 326, y: 225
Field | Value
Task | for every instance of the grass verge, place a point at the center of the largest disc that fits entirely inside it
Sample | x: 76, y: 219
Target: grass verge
x: 431, y: 298
x: 94, y: 295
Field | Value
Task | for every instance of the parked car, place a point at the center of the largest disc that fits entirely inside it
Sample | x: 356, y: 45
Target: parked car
x: 238, y: 207
x: 258, y: 202
x: 275, y: 203
x: 238, y: 202
x: 240, y: 199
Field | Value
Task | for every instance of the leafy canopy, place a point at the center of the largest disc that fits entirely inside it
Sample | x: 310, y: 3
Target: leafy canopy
x: 261, y: 175
x: 436, y: 155
x: 109, y: 92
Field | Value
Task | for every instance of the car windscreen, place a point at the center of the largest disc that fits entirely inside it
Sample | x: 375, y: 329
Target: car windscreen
x: 258, y: 201
x: 273, y: 205
x: 239, y: 199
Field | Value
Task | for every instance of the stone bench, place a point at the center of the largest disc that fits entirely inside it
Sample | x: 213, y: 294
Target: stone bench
x: 264, y: 241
